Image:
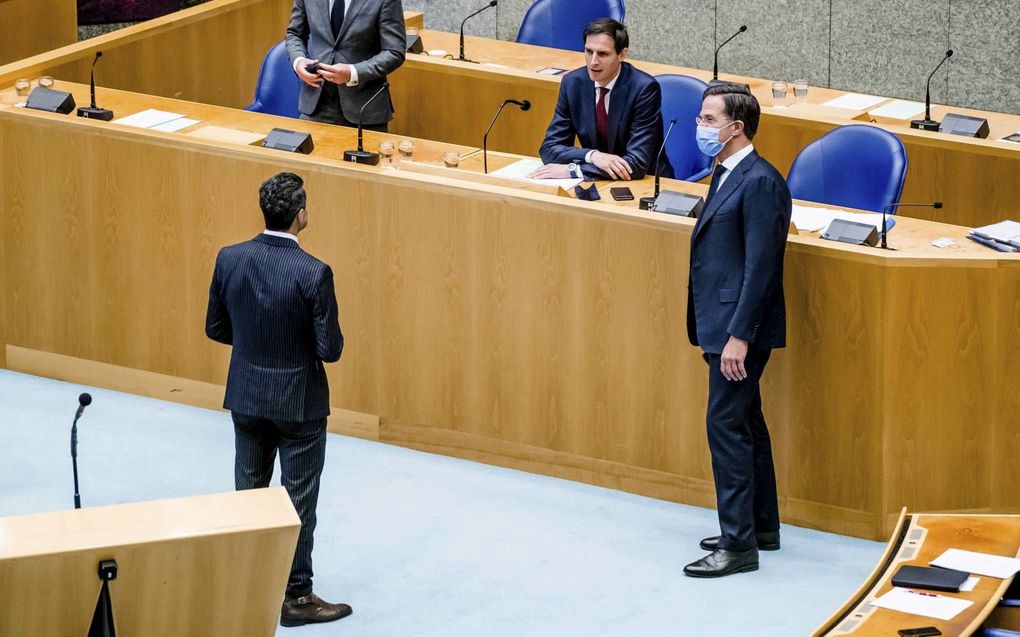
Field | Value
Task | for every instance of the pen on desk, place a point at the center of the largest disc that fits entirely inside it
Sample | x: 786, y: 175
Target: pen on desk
x: 925, y: 594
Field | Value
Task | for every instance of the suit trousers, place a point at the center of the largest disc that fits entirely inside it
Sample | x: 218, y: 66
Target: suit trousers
x: 328, y: 111
x: 745, y: 477
x: 302, y: 447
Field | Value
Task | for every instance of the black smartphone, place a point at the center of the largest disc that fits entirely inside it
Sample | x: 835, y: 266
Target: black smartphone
x: 926, y: 631
x: 312, y: 68
x: 621, y: 193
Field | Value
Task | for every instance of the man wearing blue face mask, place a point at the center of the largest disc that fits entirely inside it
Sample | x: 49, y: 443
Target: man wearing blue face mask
x: 736, y: 313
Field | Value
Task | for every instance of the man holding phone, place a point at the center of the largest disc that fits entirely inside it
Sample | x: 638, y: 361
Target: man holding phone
x: 342, y: 50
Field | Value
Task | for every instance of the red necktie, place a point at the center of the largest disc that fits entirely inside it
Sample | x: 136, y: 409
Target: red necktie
x: 602, y: 121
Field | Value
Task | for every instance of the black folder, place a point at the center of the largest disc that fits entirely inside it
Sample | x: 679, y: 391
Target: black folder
x: 929, y: 577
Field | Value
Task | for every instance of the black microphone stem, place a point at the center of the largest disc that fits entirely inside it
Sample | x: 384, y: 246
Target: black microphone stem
x: 658, y: 158
x: 885, y: 229
x: 74, y: 460
x: 485, y: 138
x: 927, y: 88
x: 488, y: 6
x: 361, y: 145
x: 92, y: 80
x: 715, y: 67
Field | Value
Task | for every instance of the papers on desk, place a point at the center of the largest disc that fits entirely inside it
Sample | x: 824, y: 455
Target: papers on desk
x: 148, y: 118
x: 809, y: 219
x: 855, y: 102
x: 927, y: 604
x: 898, y: 109
x: 978, y: 563
x: 1003, y: 236
x: 174, y: 125
x: 521, y: 169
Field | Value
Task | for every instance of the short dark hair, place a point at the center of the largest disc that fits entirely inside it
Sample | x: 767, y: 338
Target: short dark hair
x: 281, y: 197
x: 612, y: 28
x: 741, y: 105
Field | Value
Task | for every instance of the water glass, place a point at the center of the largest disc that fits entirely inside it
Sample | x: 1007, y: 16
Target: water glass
x: 46, y: 81
x: 21, y: 86
x: 386, y: 151
x: 779, y: 93
x: 451, y: 159
x: 800, y: 89
x: 406, y: 148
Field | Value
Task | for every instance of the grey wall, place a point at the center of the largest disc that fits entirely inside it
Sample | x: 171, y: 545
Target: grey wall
x: 885, y: 47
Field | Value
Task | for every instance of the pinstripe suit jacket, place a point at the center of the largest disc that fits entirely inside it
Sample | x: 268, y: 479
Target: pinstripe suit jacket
x: 275, y: 304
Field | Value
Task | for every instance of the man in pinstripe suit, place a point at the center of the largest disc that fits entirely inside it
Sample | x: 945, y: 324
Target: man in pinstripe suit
x: 275, y: 304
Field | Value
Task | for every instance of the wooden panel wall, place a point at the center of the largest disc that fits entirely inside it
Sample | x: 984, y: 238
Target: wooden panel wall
x: 33, y: 26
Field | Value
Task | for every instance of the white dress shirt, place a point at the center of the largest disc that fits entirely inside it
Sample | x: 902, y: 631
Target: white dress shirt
x: 285, y: 235
x: 609, y: 94
x: 731, y: 162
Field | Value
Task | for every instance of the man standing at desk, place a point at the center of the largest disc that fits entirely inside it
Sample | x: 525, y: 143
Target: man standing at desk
x: 275, y: 304
x: 611, y: 107
x: 356, y: 44
x: 736, y: 312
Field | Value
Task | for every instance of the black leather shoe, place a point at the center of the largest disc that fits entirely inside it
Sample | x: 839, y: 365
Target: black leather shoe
x: 767, y: 541
x: 309, y: 609
x: 720, y: 563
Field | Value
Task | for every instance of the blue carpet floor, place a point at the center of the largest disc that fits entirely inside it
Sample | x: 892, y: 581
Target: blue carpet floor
x: 424, y: 545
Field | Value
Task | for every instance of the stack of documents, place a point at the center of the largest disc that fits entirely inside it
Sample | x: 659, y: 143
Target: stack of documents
x: 1003, y: 236
x: 157, y: 120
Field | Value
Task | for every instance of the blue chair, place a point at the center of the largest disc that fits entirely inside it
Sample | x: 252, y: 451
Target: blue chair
x: 681, y: 100
x: 278, y: 87
x: 560, y: 23
x: 856, y: 166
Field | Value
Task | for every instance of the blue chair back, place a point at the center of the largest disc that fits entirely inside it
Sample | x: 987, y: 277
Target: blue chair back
x: 278, y: 87
x: 855, y: 166
x: 560, y: 23
x: 681, y: 100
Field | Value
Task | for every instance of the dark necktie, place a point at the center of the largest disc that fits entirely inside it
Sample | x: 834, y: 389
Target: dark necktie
x: 714, y: 187
x: 336, y: 17
x: 602, y: 121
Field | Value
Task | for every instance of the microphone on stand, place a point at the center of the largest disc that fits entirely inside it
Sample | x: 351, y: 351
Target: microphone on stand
x: 93, y: 111
x: 928, y: 123
x: 84, y: 401
x: 362, y: 156
x: 648, y: 203
x: 715, y: 67
x: 524, y: 105
x: 488, y: 6
x: 885, y: 246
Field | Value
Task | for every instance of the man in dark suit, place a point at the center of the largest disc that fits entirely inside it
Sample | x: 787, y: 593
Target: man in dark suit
x: 356, y: 44
x: 736, y: 312
x: 276, y: 305
x: 612, y: 108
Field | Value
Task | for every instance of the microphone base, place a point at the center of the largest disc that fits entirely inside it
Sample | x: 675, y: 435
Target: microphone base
x: 362, y: 157
x: 646, y: 203
x: 925, y: 124
x: 464, y: 59
x: 94, y: 112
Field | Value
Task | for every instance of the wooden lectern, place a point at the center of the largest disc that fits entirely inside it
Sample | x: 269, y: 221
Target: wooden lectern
x: 205, y: 565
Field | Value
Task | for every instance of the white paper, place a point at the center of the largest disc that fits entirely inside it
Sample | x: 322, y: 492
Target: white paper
x: 899, y: 109
x: 855, y: 101
x: 174, y: 125
x: 1004, y: 231
x: 969, y: 585
x: 810, y: 219
x: 927, y: 604
x: 521, y: 169
x: 943, y: 242
x: 978, y: 563
x: 148, y: 118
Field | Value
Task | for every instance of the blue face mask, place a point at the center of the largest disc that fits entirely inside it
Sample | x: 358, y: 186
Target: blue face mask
x: 708, y: 139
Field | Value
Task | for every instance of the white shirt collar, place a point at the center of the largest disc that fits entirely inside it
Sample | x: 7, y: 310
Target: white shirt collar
x: 731, y: 162
x: 611, y: 82
x: 285, y: 235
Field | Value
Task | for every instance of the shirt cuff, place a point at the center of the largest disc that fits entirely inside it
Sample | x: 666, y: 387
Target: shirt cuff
x: 296, y: 63
x: 354, y: 75
x: 587, y: 156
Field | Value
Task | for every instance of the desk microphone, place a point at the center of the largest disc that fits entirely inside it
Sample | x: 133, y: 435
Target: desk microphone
x: 84, y: 401
x: 488, y: 6
x: 885, y: 246
x: 362, y: 156
x: 93, y: 111
x: 524, y: 105
x: 715, y: 67
x: 928, y: 123
x: 648, y: 203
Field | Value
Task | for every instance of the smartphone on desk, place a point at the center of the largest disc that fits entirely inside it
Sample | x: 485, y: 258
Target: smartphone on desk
x: 621, y: 193
x: 926, y: 631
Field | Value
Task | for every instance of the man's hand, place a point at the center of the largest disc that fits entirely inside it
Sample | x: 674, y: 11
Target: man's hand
x: 335, y: 73
x: 551, y: 171
x: 311, y: 79
x: 731, y: 363
x: 613, y: 165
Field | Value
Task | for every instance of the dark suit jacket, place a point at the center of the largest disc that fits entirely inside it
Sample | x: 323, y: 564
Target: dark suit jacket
x: 635, y: 122
x: 737, y: 248
x: 275, y: 304
x: 372, y: 39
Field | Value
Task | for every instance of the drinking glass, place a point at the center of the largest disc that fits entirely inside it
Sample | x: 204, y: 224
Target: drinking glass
x: 21, y: 86
x: 451, y: 159
x: 800, y: 89
x: 779, y: 93
x: 46, y: 81
x: 406, y: 148
x: 386, y: 151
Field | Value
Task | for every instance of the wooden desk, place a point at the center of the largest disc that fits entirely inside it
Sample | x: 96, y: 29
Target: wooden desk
x: 917, y: 540
x: 33, y: 26
x: 978, y: 180
x: 520, y: 329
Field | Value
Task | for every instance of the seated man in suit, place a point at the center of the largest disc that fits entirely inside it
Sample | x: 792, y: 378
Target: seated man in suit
x: 611, y: 107
x: 354, y: 45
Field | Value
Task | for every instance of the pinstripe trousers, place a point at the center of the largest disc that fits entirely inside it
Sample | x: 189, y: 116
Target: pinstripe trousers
x: 302, y: 447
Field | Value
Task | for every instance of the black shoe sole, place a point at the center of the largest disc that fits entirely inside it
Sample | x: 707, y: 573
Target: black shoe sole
x: 292, y: 623
x: 743, y: 569
x: 761, y: 547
